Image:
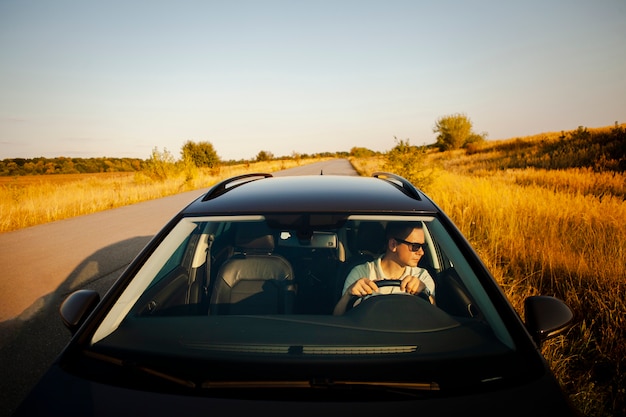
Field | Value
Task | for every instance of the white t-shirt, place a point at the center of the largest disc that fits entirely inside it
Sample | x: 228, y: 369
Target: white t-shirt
x: 374, y: 271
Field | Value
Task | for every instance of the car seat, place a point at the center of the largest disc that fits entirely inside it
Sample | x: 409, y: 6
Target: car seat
x: 254, y: 280
x: 369, y: 244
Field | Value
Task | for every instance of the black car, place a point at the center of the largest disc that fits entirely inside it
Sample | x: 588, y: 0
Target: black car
x: 231, y: 310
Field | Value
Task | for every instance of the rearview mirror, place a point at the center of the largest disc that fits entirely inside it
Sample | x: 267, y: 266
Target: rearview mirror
x: 316, y: 240
x: 546, y: 317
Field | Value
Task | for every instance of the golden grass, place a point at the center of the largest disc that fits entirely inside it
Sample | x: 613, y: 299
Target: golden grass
x: 558, y: 233
x: 540, y: 241
x: 33, y: 200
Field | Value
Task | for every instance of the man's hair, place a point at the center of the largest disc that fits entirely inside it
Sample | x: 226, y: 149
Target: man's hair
x: 401, y: 230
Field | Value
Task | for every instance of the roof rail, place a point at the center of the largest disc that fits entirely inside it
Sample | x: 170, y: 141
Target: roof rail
x: 400, y: 182
x: 230, y: 183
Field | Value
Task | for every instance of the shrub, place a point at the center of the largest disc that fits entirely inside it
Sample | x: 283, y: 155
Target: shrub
x: 455, y: 131
x: 409, y: 162
x: 202, y: 154
x: 161, y: 165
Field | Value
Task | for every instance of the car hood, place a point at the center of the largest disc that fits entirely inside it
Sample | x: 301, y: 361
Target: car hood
x: 62, y: 393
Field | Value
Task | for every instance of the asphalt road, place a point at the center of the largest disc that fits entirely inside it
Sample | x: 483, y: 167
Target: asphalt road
x: 41, y: 265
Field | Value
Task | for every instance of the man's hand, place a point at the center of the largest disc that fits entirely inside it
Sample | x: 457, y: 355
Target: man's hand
x: 412, y: 285
x: 363, y: 287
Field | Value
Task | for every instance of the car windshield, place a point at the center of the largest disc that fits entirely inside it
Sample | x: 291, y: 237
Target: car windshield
x: 262, y: 289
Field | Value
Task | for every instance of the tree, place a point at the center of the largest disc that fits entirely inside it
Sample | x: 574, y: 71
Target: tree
x: 455, y: 131
x: 201, y: 154
x: 264, y: 156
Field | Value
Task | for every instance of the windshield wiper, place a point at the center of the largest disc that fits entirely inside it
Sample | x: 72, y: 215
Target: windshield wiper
x: 324, y: 383
x: 395, y: 387
x: 414, y: 386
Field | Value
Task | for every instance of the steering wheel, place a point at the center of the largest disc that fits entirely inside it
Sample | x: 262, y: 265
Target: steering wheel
x: 354, y: 299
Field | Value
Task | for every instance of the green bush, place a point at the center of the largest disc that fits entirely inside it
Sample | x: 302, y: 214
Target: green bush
x: 161, y: 165
x: 201, y: 154
x: 409, y: 162
x: 455, y: 131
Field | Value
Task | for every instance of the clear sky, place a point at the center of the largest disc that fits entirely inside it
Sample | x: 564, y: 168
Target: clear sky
x: 118, y: 78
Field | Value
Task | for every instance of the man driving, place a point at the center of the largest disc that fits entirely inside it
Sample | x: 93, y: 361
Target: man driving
x: 404, y: 249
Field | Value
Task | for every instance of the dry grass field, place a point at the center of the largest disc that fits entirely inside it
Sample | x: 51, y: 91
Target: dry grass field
x: 31, y: 200
x: 553, y: 232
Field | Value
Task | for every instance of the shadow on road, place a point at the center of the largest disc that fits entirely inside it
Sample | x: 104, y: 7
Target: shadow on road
x: 30, y: 343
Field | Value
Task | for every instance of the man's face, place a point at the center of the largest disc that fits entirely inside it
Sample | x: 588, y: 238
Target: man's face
x: 403, y: 251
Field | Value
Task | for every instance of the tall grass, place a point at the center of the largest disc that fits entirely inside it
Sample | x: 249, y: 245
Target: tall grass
x: 29, y: 201
x: 552, y: 232
x: 539, y: 241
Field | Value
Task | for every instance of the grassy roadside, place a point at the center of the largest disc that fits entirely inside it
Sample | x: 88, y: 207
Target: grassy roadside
x: 552, y: 232
x: 32, y: 200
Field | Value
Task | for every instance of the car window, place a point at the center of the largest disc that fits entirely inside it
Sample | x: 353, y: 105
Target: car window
x: 175, y: 261
x: 254, y: 270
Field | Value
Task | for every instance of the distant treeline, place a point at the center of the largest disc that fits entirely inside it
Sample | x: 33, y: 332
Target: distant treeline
x: 64, y: 165
x: 600, y: 149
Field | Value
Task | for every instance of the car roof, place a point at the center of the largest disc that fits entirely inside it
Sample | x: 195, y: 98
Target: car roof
x: 264, y: 193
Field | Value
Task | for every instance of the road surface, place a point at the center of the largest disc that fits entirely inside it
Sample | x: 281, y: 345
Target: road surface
x: 41, y: 265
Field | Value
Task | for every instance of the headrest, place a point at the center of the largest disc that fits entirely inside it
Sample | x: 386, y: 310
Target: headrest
x: 255, y: 236
x: 371, y: 237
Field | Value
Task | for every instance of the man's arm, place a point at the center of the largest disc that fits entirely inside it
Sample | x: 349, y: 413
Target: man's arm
x: 422, y: 282
x: 362, y: 287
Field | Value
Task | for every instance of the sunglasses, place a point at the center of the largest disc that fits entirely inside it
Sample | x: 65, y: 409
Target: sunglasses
x: 413, y: 247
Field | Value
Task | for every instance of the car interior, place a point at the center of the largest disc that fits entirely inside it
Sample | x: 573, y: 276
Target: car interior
x: 244, y: 268
x: 259, y: 285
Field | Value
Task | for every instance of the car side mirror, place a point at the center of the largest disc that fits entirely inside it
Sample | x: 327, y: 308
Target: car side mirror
x: 77, y: 307
x: 546, y: 317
